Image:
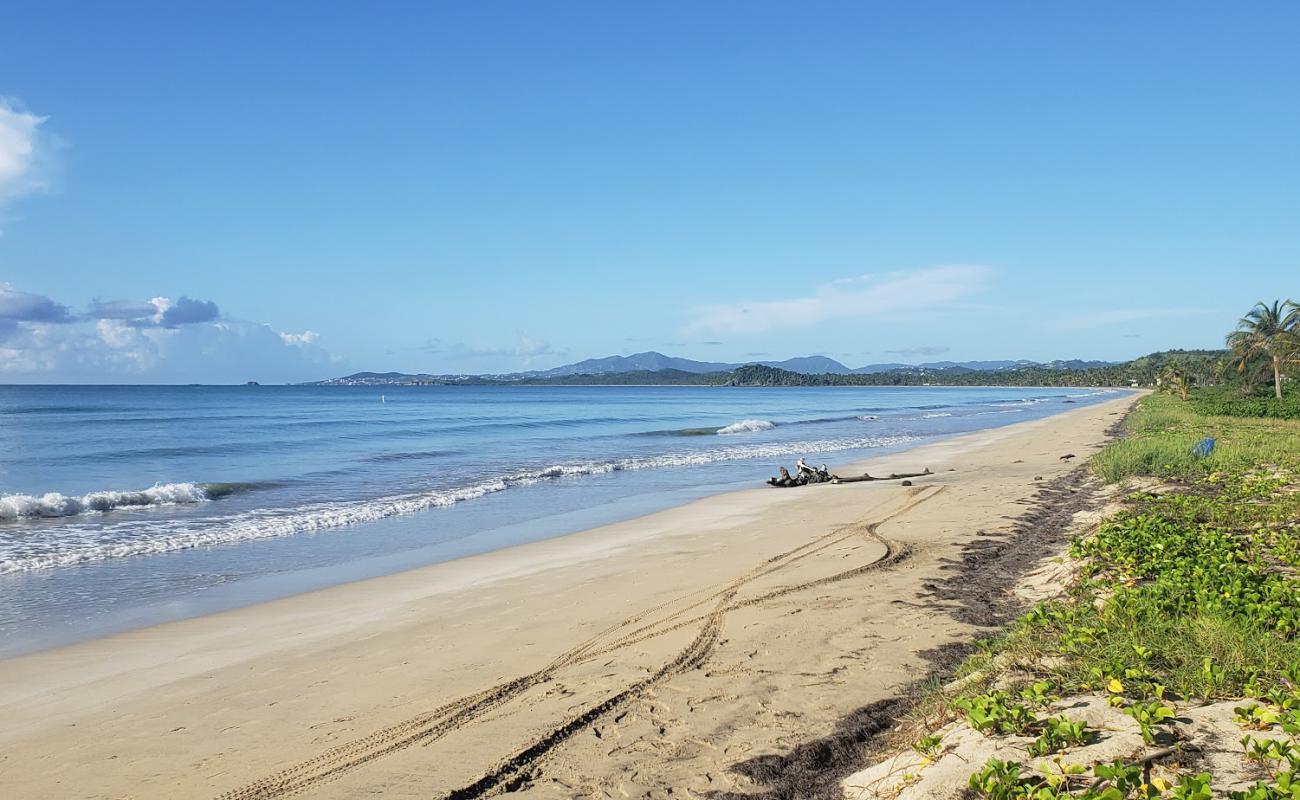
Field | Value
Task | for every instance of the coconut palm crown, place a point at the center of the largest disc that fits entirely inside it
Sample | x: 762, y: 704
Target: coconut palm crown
x: 1271, y: 331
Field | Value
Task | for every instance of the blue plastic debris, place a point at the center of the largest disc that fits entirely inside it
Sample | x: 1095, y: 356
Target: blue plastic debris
x: 1203, y: 448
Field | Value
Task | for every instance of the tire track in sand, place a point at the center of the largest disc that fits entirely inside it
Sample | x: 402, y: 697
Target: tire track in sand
x: 428, y: 727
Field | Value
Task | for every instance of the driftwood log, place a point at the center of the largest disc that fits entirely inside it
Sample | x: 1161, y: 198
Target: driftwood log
x: 893, y: 476
x: 788, y: 482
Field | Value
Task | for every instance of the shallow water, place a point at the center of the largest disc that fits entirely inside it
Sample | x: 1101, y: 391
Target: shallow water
x: 128, y: 506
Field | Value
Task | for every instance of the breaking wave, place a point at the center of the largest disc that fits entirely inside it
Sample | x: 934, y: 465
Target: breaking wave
x: 747, y: 426
x: 53, y: 504
x: 756, y: 425
x: 84, y: 544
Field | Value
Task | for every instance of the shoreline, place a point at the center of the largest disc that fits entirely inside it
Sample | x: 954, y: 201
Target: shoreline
x: 746, y: 386
x: 503, y: 612
x: 307, y: 563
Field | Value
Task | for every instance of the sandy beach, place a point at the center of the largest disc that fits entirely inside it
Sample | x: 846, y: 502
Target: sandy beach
x: 699, y: 649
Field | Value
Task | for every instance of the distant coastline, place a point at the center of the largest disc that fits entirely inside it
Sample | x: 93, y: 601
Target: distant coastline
x: 1143, y: 371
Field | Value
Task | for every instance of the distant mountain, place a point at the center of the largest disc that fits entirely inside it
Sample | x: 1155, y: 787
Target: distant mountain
x: 643, y: 364
x: 808, y: 365
x: 652, y: 361
x: 639, y: 362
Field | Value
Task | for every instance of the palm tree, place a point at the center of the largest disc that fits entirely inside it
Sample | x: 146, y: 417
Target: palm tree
x: 1176, y: 380
x: 1269, y: 330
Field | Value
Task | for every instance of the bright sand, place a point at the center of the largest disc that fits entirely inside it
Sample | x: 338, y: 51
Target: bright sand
x: 651, y: 654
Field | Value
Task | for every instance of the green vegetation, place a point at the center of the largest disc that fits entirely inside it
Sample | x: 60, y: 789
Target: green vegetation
x: 1163, y: 430
x: 1004, y: 780
x: 1058, y: 733
x: 928, y: 746
x: 1269, y: 333
x: 996, y: 713
x: 1236, y: 401
x: 1199, y: 367
x: 1191, y: 593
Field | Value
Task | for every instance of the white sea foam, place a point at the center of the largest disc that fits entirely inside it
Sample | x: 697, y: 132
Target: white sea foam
x: 938, y: 414
x: 1028, y: 401
x: 53, y: 504
x: 747, y: 426
x: 79, y: 544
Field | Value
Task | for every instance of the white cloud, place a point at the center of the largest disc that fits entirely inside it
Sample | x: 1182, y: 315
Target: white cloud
x: 155, y: 341
x: 530, y: 346
x: 873, y: 294
x: 24, y: 153
x: 299, y: 339
x: 533, y: 351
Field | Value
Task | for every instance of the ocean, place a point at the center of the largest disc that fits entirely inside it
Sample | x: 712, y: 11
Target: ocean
x: 127, y: 506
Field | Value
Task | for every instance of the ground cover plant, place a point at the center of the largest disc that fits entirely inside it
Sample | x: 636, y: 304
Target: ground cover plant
x: 1234, y: 401
x: 1189, y: 595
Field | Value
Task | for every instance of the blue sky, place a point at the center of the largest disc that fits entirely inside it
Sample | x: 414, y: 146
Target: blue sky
x: 496, y: 186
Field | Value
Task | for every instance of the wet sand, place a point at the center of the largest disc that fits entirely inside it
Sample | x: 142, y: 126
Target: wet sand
x: 699, y: 649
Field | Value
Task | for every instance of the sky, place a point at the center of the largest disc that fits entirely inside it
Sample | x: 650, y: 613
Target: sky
x: 221, y: 192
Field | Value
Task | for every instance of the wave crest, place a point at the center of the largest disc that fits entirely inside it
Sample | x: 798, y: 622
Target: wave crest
x: 53, y: 504
x: 144, y: 537
x: 747, y: 426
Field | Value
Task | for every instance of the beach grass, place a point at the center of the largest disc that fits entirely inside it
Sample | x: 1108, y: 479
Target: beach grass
x: 1163, y: 430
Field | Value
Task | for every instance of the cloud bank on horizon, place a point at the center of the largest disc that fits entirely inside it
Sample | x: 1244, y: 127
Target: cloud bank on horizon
x: 154, y: 341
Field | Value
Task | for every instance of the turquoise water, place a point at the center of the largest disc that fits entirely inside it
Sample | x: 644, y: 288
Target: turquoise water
x: 127, y: 506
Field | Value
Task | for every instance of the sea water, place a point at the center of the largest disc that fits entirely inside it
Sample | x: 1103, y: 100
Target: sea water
x: 127, y: 506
